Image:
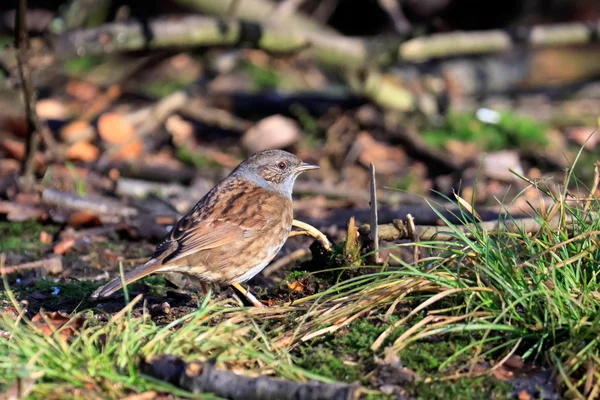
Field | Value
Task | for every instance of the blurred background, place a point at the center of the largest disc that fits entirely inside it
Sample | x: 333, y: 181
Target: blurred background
x: 140, y: 107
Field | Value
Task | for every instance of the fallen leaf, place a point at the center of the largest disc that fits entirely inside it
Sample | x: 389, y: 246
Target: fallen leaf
x: 114, y: 128
x: 45, y: 237
x: 77, y: 131
x: 63, y: 246
x: 514, y: 362
x: 145, y: 396
x: 129, y: 150
x: 83, y: 218
x: 81, y: 90
x: 523, y: 395
x: 82, y: 151
x: 48, y: 323
x: 51, y: 109
x: 274, y: 132
x: 502, y: 373
x: 295, y: 286
x: 16, y: 150
x: 387, y: 159
x: 180, y: 129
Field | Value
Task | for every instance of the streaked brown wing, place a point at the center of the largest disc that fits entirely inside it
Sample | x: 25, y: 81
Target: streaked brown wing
x: 220, y: 219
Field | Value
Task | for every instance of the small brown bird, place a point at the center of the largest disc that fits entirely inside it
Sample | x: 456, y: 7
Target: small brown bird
x: 234, y: 231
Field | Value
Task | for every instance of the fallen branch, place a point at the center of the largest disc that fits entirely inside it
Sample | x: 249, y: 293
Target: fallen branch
x: 52, y: 265
x: 203, y: 377
x: 324, y: 45
x: 400, y: 230
x: 96, y: 204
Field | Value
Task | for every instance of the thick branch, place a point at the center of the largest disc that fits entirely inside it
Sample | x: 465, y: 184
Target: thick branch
x: 327, y: 47
x: 203, y: 377
x: 398, y: 230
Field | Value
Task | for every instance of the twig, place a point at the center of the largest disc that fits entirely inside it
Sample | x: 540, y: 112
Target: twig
x: 203, y: 377
x: 33, y: 135
x: 394, y: 10
x: 415, y: 236
x: 399, y: 230
x: 314, y: 232
x: 285, y: 260
x: 96, y: 204
x: 374, y: 234
x: 52, y: 265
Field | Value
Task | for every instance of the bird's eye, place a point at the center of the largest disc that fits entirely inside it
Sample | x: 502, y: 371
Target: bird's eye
x: 282, y: 165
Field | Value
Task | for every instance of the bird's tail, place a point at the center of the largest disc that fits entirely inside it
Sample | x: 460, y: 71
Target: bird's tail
x: 131, y: 276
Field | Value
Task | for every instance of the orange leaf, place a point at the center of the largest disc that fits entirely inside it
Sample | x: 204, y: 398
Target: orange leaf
x: 129, y: 150
x: 77, y: 131
x: 523, y: 395
x: 295, y: 286
x: 47, y: 324
x: 63, y: 246
x: 45, y: 237
x: 83, y: 217
x: 114, y: 128
x: 82, y: 91
x: 82, y: 151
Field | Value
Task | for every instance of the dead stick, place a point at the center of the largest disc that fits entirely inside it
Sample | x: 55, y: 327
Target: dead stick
x: 374, y: 234
x: 203, y: 377
x: 398, y: 230
x: 314, y: 232
x: 33, y: 136
x: 96, y: 204
x: 52, y: 265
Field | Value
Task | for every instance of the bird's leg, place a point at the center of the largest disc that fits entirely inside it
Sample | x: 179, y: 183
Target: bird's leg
x: 248, y: 295
x: 312, y: 231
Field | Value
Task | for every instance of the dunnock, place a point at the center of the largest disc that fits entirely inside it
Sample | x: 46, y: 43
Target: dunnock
x: 234, y: 231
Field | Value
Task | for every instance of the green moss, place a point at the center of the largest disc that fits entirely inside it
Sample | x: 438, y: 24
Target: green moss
x: 464, y: 389
x: 263, y: 78
x: 425, y: 358
x: 162, y: 88
x: 511, y: 131
x: 22, y: 236
x: 194, y: 159
x: 326, y: 363
x: 78, y: 65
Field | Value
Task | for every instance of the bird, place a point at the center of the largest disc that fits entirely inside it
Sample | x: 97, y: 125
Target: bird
x: 233, y: 232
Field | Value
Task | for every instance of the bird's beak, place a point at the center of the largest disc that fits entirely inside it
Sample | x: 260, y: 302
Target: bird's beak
x: 305, y: 167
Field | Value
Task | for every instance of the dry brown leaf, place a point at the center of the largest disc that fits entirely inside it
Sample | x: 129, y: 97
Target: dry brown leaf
x: 49, y: 323
x: 64, y: 245
x: 51, y: 109
x: 16, y: 150
x: 82, y: 151
x: 129, y: 150
x: 273, y: 132
x: 146, y: 396
x: 295, y: 286
x: 45, y: 237
x: 514, y: 362
x: 81, y: 90
x: 523, y: 395
x: 77, y: 131
x: 387, y: 159
x: 180, y: 129
x: 83, y: 217
x: 114, y: 128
